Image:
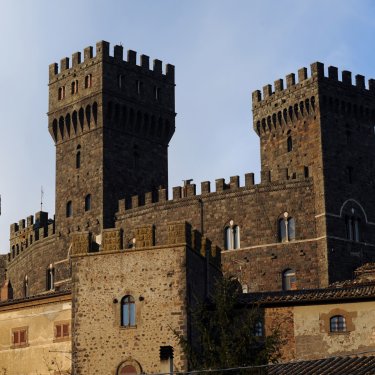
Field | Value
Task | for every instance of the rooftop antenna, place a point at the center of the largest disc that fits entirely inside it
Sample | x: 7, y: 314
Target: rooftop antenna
x: 41, y: 198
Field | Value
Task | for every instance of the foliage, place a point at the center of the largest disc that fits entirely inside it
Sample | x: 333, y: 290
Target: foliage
x: 223, y: 332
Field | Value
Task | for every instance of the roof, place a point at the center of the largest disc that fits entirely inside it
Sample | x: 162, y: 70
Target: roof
x: 39, y: 297
x: 331, y: 294
x: 334, y: 365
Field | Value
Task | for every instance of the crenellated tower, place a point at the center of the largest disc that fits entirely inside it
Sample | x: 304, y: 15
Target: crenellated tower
x: 111, y: 121
x: 322, y: 127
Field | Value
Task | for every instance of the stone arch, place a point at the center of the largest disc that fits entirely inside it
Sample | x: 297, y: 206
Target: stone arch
x: 350, y: 202
x: 67, y: 124
x: 95, y: 112
x: 54, y: 129
x: 88, y: 115
x: 81, y: 117
x: 126, y: 367
x: 74, y: 121
x: 61, y: 126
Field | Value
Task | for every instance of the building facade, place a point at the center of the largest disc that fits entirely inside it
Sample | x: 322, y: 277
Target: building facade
x: 130, y: 253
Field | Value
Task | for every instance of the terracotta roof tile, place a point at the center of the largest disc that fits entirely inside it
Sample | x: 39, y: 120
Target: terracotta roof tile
x: 358, y: 365
x: 357, y: 291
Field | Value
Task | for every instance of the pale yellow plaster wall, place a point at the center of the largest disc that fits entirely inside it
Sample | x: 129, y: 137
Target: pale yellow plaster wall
x: 42, y: 355
x: 312, y: 336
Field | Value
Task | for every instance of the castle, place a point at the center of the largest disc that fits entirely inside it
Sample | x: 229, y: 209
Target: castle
x: 126, y: 260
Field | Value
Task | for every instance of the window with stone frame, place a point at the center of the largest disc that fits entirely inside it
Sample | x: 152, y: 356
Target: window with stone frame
x: 286, y: 228
x: 337, y: 323
x: 232, y: 236
x: 50, y: 282
x: 61, y: 331
x: 128, y: 311
x: 19, y: 337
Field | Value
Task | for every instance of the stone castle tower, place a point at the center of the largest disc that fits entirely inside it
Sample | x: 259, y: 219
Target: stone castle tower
x: 111, y: 121
x: 323, y: 127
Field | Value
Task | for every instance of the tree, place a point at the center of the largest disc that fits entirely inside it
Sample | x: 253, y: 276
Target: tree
x: 222, y: 332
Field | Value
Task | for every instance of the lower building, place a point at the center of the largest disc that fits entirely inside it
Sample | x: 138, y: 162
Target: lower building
x: 35, y: 335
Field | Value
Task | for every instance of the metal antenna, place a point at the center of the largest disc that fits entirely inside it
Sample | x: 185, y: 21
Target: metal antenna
x: 41, y: 198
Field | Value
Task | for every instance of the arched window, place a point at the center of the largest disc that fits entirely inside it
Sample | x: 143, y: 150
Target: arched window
x: 61, y: 93
x: 337, y: 324
x: 289, y: 280
x: 88, y: 81
x: 26, y: 287
x: 286, y: 228
x: 74, y: 87
x: 282, y: 230
x: 291, y: 227
x: 258, y: 329
x: 88, y: 202
x: 128, y: 311
x: 289, y: 143
x: 232, y: 236
x: 50, y: 277
x: 78, y: 157
x: 69, y: 209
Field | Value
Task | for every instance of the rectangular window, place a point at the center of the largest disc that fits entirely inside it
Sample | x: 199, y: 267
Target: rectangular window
x: 19, y: 337
x: 62, y: 331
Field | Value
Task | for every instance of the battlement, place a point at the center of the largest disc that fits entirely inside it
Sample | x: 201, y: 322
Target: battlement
x: 26, y: 233
x: 103, y: 54
x: 316, y: 73
x: 178, y: 233
x: 189, y: 190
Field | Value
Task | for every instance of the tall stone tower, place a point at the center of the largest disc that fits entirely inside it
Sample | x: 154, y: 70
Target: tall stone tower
x: 323, y: 127
x: 111, y: 121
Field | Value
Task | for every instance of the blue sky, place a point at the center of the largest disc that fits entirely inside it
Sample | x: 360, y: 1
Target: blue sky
x: 222, y: 49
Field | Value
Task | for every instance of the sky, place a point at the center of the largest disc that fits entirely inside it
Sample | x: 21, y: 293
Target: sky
x: 222, y: 49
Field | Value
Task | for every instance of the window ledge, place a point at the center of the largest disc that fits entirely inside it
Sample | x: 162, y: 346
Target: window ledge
x: 128, y: 327
x: 19, y: 346
x: 61, y: 339
x: 344, y: 333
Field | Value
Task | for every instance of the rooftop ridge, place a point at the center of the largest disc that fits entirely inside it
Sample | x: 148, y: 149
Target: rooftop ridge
x: 316, y: 72
x: 103, y: 54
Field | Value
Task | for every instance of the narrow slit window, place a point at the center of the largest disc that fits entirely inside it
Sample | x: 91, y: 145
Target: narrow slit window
x: 289, y: 143
x: 88, y: 81
x: 88, y: 202
x: 69, y: 209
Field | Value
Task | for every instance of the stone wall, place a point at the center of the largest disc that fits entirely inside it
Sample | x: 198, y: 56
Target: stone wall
x: 256, y: 210
x: 280, y: 321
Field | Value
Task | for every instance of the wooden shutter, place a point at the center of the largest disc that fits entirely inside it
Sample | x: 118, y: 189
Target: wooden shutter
x: 58, y: 331
x: 65, y: 330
